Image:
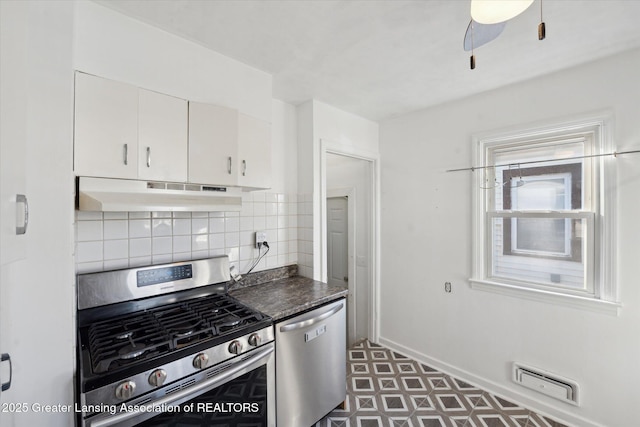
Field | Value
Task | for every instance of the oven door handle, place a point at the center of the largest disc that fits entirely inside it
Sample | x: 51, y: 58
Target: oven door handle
x: 309, y: 322
x: 190, y: 392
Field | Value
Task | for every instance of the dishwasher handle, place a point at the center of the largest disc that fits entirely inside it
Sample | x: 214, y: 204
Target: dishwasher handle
x: 312, y: 321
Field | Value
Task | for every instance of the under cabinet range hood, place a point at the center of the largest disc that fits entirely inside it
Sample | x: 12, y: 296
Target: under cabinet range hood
x: 123, y: 195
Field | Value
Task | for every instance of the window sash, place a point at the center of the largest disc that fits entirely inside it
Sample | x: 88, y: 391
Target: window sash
x: 588, y: 288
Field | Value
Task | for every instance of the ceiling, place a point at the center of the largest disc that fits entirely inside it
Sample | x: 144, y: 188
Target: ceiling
x: 384, y: 58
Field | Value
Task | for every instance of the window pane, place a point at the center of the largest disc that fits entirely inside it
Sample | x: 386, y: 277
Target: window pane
x: 545, y: 251
x: 541, y: 235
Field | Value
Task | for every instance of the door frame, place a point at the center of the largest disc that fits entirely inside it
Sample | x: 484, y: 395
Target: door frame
x: 333, y: 147
x: 350, y: 194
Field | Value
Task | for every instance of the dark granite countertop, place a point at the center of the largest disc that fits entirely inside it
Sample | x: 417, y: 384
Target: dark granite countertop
x: 285, y: 297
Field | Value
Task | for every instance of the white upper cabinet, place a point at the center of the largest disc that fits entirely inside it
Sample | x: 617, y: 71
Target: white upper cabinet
x: 106, y: 128
x: 254, y: 152
x: 228, y: 148
x: 162, y: 137
x: 122, y: 131
x: 213, y: 144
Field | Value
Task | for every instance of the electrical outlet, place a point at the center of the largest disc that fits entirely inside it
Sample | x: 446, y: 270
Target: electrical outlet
x: 447, y: 287
x: 261, y: 237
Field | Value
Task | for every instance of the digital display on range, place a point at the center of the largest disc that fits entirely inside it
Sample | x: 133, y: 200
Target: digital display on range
x: 164, y: 274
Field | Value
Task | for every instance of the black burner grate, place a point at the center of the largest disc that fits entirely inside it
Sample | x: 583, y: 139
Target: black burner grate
x: 125, y: 340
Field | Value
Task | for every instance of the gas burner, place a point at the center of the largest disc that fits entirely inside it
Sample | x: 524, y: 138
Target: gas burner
x: 124, y: 335
x: 132, y: 351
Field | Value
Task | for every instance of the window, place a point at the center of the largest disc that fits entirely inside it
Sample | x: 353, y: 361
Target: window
x: 542, y: 224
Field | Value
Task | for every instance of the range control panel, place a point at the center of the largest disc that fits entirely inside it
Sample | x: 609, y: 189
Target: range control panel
x: 154, y: 276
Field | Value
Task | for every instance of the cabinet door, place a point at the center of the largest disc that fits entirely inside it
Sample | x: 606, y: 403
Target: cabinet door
x: 213, y: 144
x: 254, y: 150
x: 162, y: 137
x: 106, y: 128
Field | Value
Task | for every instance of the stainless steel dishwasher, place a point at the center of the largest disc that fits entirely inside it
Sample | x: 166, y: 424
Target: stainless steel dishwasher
x: 311, y: 365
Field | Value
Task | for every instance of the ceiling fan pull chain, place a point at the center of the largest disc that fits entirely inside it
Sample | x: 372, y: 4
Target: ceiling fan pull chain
x: 542, y: 31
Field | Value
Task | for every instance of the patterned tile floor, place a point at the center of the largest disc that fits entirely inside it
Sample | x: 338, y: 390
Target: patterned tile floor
x: 387, y: 389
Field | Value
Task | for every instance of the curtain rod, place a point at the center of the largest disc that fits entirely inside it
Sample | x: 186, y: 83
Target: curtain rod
x: 473, y: 168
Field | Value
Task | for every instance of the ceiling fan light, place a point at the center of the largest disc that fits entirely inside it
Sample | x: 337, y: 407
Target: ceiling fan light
x: 495, y: 11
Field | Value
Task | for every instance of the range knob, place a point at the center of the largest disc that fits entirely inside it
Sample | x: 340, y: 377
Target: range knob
x: 125, y: 390
x: 157, y: 377
x: 235, y: 347
x: 201, y: 361
x: 254, y: 340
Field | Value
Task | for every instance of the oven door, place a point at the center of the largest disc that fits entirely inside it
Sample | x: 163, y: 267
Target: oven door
x: 239, y: 393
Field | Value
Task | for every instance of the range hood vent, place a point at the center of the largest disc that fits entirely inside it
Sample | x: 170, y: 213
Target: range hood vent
x: 122, y: 195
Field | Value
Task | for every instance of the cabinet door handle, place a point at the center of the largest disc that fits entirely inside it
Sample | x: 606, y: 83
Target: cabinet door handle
x: 22, y: 199
x: 148, y: 157
x: 126, y: 154
x: 244, y: 167
x: 229, y: 165
x: 6, y: 386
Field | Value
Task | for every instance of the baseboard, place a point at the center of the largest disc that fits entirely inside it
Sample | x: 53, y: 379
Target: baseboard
x: 492, y: 387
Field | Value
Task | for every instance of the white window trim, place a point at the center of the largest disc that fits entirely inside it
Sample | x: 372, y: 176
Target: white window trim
x: 600, y: 125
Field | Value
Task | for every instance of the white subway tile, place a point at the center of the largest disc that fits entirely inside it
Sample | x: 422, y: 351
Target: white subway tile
x: 283, y: 221
x: 231, y: 240
x: 271, y: 208
x: 246, y: 253
x: 162, y: 245
x: 115, y: 215
x: 199, y: 214
x: 282, y: 198
x: 200, y: 226
x: 139, y: 215
x: 116, y: 264
x: 283, y: 208
x: 216, y: 252
x: 270, y: 197
x: 293, y: 208
x: 88, y: 216
x: 89, y: 251
x: 183, y: 256
x: 161, y: 214
x: 139, y: 228
x: 216, y: 214
x: 247, y: 238
x: 246, y: 223
x: 216, y: 225
x: 89, y: 267
x: 140, y: 248
x: 293, y: 221
x: 161, y: 227
x: 216, y: 241
x: 199, y: 254
x: 231, y: 214
x: 116, y: 229
x: 259, y: 223
x: 181, y: 244
x: 233, y: 254
x: 272, y: 223
x: 183, y: 215
x: 88, y: 231
x: 259, y: 209
x: 140, y: 261
x: 182, y: 226
x: 162, y: 258
x: 247, y: 209
x: 116, y: 249
x: 200, y: 242
x: 283, y: 234
x: 231, y: 224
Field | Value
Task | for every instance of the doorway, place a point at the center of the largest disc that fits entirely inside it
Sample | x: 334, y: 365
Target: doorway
x: 348, y: 231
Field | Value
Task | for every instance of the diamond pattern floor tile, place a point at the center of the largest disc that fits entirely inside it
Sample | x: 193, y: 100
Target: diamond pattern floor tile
x: 388, y: 389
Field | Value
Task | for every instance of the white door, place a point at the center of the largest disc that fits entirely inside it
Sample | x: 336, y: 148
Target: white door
x: 338, y: 255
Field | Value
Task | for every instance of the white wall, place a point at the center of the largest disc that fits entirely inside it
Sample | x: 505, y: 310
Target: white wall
x: 426, y: 220
x: 112, y: 45
x: 320, y: 123
x: 38, y: 302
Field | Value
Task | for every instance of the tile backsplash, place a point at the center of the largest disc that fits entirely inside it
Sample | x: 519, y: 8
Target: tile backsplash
x: 112, y: 240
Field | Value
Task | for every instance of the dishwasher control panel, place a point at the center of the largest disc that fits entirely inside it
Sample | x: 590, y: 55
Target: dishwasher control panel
x: 311, y: 335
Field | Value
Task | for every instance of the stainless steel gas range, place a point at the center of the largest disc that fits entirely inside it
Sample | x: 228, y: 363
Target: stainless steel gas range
x: 165, y: 345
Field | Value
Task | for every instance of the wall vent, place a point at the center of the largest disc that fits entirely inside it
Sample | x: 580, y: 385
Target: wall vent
x: 544, y: 382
